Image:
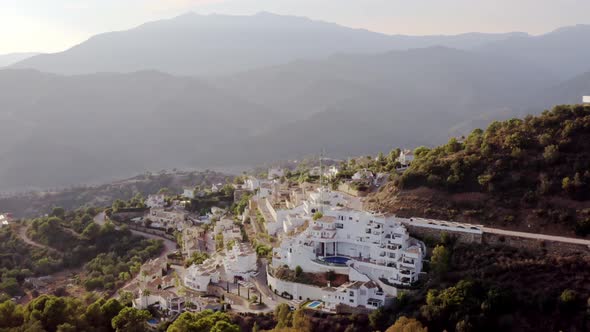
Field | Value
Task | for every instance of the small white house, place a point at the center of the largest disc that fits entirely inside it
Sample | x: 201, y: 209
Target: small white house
x: 5, y: 219
x: 188, y: 193
x: 354, y: 294
x: 156, y: 201
x: 406, y: 157
x: 586, y: 99
x: 332, y: 171
x: 251, y: 183
x: 198, y: 277
x: 275, y: 173
x: 363, y: 175
x: 240, y: 261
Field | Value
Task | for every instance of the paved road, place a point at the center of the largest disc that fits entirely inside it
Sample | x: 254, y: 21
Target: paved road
x: 169, y: 246
x: 537, y: 236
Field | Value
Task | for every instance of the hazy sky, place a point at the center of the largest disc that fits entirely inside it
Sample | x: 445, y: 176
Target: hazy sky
x: 54, y: 25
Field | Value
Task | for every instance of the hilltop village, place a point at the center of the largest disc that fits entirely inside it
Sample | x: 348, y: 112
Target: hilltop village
x: 274, y: 239
x: 300, y: 242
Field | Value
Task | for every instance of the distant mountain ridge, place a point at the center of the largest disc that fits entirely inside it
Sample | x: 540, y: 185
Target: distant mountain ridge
x: 12, y: 58
x: 564, y: 51
x: 205, y: 45
x: 348, y: 104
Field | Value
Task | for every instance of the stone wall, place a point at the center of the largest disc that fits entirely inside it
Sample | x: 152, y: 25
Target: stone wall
x: 423, y: 232
x: 533, y: 244
x: 435, y: 233
x: 296, y: 290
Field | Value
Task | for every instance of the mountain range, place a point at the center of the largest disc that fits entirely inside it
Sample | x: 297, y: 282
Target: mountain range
x: 12, y: 58
x: 193, y: 44
x: 207, y: 91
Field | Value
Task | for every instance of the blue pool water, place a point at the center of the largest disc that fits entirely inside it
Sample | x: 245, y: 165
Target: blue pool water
x: 336, y: 260
x: 153, y: 321
x: 314, y: 304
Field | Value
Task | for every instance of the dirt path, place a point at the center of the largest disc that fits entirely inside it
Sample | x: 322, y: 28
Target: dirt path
x: 22, y: 234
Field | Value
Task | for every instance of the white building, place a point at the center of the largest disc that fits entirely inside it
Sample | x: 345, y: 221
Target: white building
x: 363, y: 175
x: 251, y: 183
x: 156, y: 201
x: 586, y: 100
x: 332, y: 171
x: 5, y: 220
x: 240, y: 261
x: 355, y: 294
x: 215, y: 188
x: 168, y: 218
x: 363, y: 245
x: 198, y: 277
x: 188, y: 193
x: 406, y: 157
x: 275, y: 173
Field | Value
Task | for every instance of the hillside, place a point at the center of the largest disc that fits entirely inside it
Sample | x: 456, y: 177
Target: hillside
x: 12, y: 58
x: 32, y: 204
x: 530, y: 174
x: 193, y: 44
x: 358, y: 104
x: 74, y: 130
x: 159, y: 121
x: 561, y: 51
x: 566, y: 92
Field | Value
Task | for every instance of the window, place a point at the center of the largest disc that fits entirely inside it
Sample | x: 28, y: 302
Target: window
x: 339, y: 225
x: 351, y: 293
x: 351, y: 301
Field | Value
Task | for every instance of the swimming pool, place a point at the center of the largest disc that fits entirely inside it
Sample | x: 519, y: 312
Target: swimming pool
x: 314, y: 304
x: 336, y: 260
x: 153, y: 321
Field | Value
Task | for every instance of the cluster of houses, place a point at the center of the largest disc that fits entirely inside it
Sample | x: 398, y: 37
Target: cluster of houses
x: 158, y: 286
x: 374, y: 251
x: 318, y: 230
x: 322, y: 230
x: 236, y: 260
x: 5, y: 219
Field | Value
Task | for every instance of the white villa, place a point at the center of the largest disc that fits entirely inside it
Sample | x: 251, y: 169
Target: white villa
x: 240, y: 261
x: 357, y: 293
x: 251, y: 183
x: 198, y: 277
x: 586, y: 100
x: 188, y: 193
x: 156, y: 201
x: 363, y: 245
x: 332, y: 171
x: 275, y: 173
x: 406, y: 157
x: 168, y: 218
x: 363, y: 175
x: 5, y: 220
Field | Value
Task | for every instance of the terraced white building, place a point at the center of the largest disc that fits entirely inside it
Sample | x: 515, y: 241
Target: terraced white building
x: 365, y: 246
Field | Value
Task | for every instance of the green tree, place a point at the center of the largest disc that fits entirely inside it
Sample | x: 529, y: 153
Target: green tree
x: 91, y: 231
x: 131, y: 320
x: 58, y: 212
x: 440, y: 260
x: 298, y: 271
x: 283, y: 315
x: 11, y: 315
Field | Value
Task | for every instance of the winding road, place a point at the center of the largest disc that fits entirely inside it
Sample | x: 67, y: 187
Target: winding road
x: 169, y: 246
x: 22, y: 234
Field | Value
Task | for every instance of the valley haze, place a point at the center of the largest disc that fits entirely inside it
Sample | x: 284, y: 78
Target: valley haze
x: 205, y: 91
